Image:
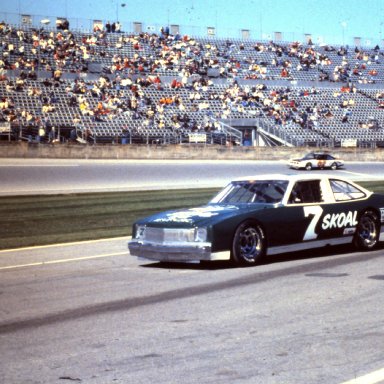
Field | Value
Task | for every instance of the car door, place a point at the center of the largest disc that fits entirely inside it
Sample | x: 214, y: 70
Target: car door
x: 295, y: 222
x: 309, y: 217
x: 321, y: 160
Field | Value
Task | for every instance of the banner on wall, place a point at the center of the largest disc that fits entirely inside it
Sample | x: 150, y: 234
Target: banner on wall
x: 197, y: 138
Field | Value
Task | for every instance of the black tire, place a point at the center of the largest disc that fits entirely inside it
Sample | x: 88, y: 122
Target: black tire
x: 333, y: 166
x: 249, y: 244
x: 308, y: 166
x: 367, y: 233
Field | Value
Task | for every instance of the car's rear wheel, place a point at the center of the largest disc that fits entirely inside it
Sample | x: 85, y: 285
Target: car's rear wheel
x: 333, y: 166
x: 308, y: 166
x: 367, y: 231
x: 249, y: 244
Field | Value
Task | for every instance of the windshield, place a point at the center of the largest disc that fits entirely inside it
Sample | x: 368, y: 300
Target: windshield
x: 257, y: 191
x: 309, y: 156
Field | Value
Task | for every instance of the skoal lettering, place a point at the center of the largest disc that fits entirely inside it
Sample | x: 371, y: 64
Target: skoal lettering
x: 339, y: 220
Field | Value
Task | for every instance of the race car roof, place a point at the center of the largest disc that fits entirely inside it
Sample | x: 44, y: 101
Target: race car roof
x: 293, y: 177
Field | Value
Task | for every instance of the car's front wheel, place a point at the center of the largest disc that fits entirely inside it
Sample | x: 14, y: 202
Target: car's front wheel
x: 308, y: 166
x: 249, y: 244
x: 367, y: 231
x: 333, y: 166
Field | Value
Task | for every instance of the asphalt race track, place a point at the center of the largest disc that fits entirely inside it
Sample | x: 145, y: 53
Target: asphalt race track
x: 90, y: 313
x: 31, y: 176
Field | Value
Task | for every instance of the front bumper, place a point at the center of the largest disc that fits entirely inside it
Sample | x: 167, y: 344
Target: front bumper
x: 294, y: 165
x: 177, y: 252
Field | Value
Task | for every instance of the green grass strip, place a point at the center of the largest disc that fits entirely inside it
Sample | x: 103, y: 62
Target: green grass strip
x: 49, y: 219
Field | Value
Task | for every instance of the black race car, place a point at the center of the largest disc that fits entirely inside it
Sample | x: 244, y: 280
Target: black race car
x: 264, y: 215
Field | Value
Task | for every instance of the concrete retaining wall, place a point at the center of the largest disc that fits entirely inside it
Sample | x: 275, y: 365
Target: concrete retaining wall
x: 195, y: 152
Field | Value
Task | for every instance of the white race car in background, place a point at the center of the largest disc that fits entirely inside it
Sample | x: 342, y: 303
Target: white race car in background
x: 316, y: 160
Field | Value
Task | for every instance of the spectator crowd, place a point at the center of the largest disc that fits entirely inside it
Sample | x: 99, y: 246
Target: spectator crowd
x: 165, y: 81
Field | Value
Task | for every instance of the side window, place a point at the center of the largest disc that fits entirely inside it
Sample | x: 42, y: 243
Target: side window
x: 306, y: 192
x: 344, y: 191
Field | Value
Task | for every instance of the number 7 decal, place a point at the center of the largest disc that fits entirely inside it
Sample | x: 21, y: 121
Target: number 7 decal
x: 316, y: 211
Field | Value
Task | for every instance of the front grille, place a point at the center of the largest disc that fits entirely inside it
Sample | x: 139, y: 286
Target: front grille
x: 155, y: 235
x: 168, y: 235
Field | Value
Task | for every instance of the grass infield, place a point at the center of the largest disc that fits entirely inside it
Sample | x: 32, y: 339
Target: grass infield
x: 49, y: 219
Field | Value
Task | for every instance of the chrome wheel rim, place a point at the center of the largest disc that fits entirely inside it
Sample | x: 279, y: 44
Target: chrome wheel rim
x: 250, y: 244
x: 368, y: 231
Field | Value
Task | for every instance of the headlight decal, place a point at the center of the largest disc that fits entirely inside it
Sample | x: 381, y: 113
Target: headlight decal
x: 201, y: 234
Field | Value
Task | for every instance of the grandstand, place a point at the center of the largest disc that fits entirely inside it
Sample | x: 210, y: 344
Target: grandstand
x: 60, y: 85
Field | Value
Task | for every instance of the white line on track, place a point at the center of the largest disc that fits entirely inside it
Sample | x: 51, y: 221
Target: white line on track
x: 364, y: 175
x: 63, y: 244
x: 19, y: 165
x: 370, y: 378
x: 60, y: 261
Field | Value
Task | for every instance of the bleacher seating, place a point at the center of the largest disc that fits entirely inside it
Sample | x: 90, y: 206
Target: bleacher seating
x: 151, y: 89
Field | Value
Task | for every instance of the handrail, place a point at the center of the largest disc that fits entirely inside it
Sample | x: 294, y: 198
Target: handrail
x: 229, y: 130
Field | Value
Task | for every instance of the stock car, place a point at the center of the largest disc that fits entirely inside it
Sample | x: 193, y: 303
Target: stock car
x: 319, y: 160
x: 257, y: 216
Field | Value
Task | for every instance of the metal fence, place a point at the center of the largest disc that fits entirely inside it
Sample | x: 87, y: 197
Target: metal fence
x: 130, y: 26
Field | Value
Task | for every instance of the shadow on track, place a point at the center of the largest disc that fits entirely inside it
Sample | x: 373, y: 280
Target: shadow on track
x: 338, y: 250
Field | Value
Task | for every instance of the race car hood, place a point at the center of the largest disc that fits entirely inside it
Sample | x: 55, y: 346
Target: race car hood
x: 199, y: 216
